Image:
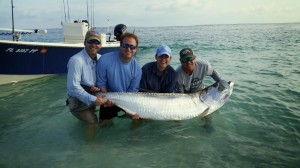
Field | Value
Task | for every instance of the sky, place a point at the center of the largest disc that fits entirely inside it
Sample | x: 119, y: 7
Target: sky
x: 46, y: 14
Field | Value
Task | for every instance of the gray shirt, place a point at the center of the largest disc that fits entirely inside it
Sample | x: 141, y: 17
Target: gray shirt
x: 192, y: 83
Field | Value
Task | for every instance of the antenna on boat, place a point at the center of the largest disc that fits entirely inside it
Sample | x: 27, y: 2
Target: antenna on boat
x: 91, y: 18
x: 13, y: 22
x: 90, y: 14
x: 87, y: 12
x: 93, y: 13
x: 68, y: 10
x: 107, y: 25
x: 65, y: 10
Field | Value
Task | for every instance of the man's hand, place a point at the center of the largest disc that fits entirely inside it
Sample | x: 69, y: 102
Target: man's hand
x: 135, y: 117
x: 108, y: 103
x: 94, y: 89
x: 99, y: 100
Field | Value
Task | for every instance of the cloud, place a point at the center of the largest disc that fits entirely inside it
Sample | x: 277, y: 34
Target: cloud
x: 151, y: 13
x: 171, y: 5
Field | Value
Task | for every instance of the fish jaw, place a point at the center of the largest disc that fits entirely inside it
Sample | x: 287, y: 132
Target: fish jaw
x: 217, y: 95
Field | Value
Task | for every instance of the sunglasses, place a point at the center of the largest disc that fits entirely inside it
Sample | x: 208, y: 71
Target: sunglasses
x: 188, y: 59
x: 93, y: 42
x: 126, y: 46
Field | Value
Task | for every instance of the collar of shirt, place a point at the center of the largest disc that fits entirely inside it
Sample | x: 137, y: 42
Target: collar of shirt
x: 155, y: 71
x: 89, y: 60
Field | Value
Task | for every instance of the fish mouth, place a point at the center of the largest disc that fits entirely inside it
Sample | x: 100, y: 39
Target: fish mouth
x: 224, y: 85
x: 231, y: 83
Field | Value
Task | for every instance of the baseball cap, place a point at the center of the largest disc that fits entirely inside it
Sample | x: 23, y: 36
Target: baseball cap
x: 93, y: 35
x: 163, y: 49
x: 186, y: 53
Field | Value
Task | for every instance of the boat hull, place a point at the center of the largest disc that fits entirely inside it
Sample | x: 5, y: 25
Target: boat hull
x: 28, y: 58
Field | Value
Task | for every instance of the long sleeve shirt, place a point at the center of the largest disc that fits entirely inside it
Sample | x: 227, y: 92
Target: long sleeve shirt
x: 151, y: 81
x: 194, y: 82
x: 81, y: 71
x: 117, y: 76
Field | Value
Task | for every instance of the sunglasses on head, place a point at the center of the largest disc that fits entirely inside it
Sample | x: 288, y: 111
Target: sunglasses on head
x: 126, y: 46
x: 93, y: 33
x: 188, y: 59
x: 93, y: 42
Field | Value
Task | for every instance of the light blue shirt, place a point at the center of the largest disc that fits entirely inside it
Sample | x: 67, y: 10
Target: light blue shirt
x: 117, y: 76
x: 81, y: 71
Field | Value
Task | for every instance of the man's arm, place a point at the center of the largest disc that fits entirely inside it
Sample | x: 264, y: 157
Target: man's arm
x: 73, y: 83
x: 101, y: 76
x: 179, y: 87
x: 170, y: 84
x: 215, y: 75
x: 143, y: 83
x: 135, y: 82
x: 103, y: 90
x: 212, y: 72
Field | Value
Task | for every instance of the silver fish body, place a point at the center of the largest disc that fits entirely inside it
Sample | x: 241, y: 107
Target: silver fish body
x: 172, y: 106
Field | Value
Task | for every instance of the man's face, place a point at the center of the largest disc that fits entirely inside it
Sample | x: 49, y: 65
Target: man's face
x: 188, y: 65
x: 92, y: 47
x: 128, y: 48
x: 163, y: 61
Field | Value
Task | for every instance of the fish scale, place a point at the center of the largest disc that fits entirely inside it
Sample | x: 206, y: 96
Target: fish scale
x: 171, y: 106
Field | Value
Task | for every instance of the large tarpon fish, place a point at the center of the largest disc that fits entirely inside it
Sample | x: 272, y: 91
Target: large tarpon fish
x: 172, y: 106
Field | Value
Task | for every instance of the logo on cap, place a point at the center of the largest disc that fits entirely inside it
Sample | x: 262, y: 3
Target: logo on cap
x: 93, y: 35
x: 185, y: 52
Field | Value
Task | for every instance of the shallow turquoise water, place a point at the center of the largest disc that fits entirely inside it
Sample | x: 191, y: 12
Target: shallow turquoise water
x: 258, y: 127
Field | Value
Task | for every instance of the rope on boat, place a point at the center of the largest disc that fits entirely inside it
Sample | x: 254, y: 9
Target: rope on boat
x: 22, y: 33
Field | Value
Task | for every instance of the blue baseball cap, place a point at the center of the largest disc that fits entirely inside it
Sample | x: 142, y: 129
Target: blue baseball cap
x: 163, y: 49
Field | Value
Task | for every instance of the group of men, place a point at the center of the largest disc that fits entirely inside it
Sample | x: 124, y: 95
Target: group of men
x: 119, y: 71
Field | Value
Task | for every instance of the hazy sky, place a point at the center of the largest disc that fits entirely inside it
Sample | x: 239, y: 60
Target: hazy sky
x: 31, y: 14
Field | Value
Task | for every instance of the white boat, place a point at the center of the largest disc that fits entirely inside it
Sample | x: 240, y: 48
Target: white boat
x: 22, y: 60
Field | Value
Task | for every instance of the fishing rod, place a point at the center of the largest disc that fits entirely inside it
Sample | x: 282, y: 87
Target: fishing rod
x: 13, y: 22
x: 16, y: 33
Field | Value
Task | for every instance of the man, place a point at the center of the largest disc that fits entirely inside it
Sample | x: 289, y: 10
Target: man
x: 81, y: 80
x: 191, y: 73
x: 190, y: 76
x: 159, y: 76
x: 119, y: 72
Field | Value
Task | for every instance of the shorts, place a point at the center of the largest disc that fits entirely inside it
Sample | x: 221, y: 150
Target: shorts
x: 82, y: 111
x: 107, y: 113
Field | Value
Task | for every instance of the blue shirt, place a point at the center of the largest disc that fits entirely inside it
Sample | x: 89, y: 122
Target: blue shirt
x: 117, y: 76
x: 81, y: 71
x: 151, y: 81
